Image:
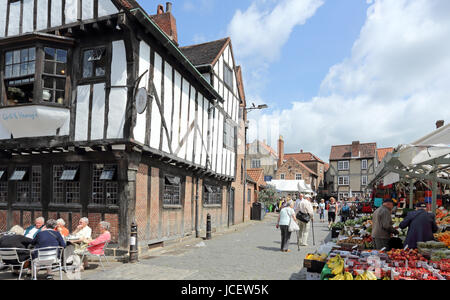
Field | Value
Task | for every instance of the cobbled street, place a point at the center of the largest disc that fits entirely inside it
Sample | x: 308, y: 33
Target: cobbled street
x: 252, y: 253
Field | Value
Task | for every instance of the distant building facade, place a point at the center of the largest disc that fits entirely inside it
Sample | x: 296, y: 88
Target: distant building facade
x: 351, y: 169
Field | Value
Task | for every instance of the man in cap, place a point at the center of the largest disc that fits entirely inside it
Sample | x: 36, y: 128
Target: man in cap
x: 382, y: 228
x: 421, y: 225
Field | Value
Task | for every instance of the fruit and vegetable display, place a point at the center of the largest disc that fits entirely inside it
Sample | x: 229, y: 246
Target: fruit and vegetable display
x: 442, y: 217
x: 443, y: 237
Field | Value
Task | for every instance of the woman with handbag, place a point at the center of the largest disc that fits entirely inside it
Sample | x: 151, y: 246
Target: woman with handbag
x: 285, y: 219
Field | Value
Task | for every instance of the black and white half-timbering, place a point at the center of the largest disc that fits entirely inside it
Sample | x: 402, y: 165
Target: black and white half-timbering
x: 100, y: 110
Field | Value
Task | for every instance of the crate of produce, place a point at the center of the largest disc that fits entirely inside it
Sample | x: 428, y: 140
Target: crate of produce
x: 314, y: 263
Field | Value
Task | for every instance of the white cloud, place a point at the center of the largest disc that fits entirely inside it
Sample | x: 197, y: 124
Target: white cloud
x: 391, y: 90
x: 259, y: 34
x: 261, y: 31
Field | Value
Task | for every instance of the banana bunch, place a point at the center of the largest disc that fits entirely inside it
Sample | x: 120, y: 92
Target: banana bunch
x: 346, y: 276
x: 336, y: 265
x: 367, y: 275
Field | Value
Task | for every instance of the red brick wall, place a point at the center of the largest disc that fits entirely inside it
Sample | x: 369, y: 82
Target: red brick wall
x: 3, y: 224
x: 94, y: 221
x: 141, y: 201
x: 113, y: 220
x: 154, y: 205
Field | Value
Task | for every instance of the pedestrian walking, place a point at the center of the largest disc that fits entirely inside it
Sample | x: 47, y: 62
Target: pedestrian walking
x: 332, y: 209
x: 306, y: 207
x: 382, y: 228
x: 286, y: 216
x: 421, y: 226
x: 345, y: 212
x: 322, y: 210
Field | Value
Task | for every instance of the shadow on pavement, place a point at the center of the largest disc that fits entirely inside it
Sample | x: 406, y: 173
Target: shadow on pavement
x: 269, y: 248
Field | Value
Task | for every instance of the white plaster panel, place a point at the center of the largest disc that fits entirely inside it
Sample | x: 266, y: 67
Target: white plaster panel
x: 220, y: 144
x: 184, y: 118
x: 139, y: 131
x: 98, y: 112
x: 198, y: 130
x: 205, y: 131
x: 176, y: 112
x: 106, y: 8
x: 56, y: 13
x: 88, y: 10
x: 42, y: 7
x: 82, y: 113
x: 71, y: 11
x: 28, y: 17
x: 118, y: 96
x: 155, y: 132
x: 14, y: 22
x: 3, y: 10
x: 167, y: 104
x: 190, y: 143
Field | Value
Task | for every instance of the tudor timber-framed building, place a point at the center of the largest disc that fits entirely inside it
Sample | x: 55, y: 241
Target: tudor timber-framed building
x: 103, y: 116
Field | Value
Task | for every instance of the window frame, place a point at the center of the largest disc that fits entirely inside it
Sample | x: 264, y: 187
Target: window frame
x: 344, y: 180
x: 258, y: 160
x: 39, y: 44
x: 226, y: 67
x: 296, y: 176
x: 104, y: 187
x: 67, y: 187
x: 345, y: 165
x: 229, y: 135
x: 213, y: 197
x: 95, y: 79
x: 366, y: 164
x: 366, y: 180
x: 177, y: 203
x: 282, y: 176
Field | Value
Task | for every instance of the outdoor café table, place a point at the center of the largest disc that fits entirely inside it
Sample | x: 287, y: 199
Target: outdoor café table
x: 70, y: 250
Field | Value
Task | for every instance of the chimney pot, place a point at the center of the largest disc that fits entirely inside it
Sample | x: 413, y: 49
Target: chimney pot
x: 440, y: 124
x: 160, y: 9
x: 168, y: 7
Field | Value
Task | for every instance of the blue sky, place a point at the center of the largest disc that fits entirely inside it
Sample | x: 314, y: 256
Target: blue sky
x: 332, y: 71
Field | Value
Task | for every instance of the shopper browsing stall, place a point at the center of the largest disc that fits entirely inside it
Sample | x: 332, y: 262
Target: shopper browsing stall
x: 421, y: 226
x: 382, y: 228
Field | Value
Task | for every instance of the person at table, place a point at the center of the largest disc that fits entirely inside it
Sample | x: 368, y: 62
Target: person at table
x: 60, y: 226
x: 33, y: 230
x: 16, y: 239
x: 421, y: 226
x: 82, y: 236
x: 96, y: 246
x: 49, y: 237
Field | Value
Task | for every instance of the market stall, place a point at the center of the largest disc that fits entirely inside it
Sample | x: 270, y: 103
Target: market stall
x: 350, y: 256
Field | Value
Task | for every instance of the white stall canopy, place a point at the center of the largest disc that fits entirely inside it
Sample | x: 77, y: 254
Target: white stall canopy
x: 426, y: 159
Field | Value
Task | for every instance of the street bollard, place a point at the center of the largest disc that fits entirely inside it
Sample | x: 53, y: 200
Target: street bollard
x: 133, y: 243
x: 208, y: 227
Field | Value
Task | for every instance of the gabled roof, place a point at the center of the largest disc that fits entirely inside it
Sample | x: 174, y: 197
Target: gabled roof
x: 265, y: 146
x: 257, y: 176
x: 206, y: 53
x: 383, y: 151
x: 302, y: 165
x: 345, y: 151
x: 304, y: 157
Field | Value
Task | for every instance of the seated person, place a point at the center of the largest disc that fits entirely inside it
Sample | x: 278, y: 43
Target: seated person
x: 31, y: 231
x: 60, y: 226
x: 16, y: 240
x: 96, y: 246
x: 48, y: 238
x: 82, y: 235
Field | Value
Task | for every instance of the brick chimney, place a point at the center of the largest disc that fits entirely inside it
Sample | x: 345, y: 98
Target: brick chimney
x: 280, y: 151
x: 440, y: 124
x: 355, y: 149
x: 166, y: 21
